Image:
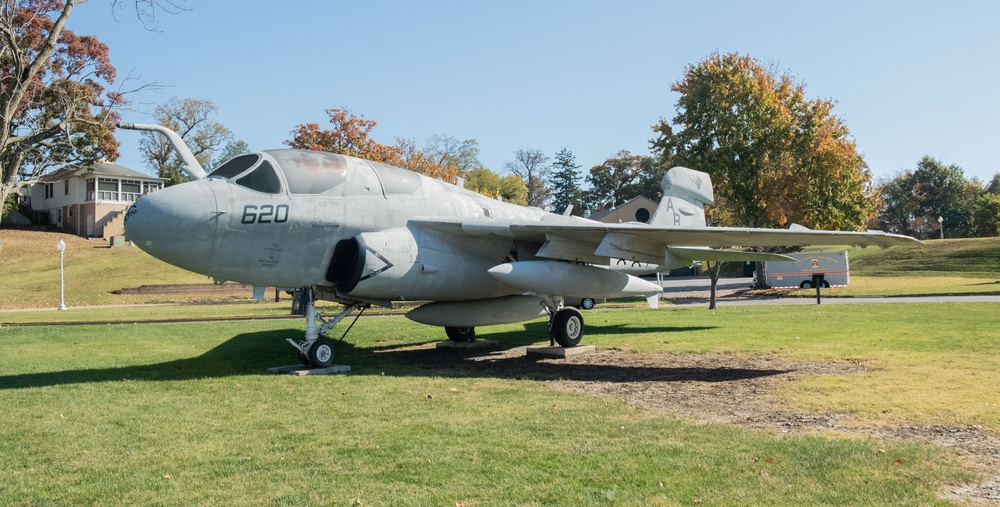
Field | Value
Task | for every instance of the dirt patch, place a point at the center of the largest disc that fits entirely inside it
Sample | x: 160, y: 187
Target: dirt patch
x: 721, y: 388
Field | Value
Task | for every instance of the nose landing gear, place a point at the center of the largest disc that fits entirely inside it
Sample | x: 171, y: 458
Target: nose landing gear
x: 316, y: 350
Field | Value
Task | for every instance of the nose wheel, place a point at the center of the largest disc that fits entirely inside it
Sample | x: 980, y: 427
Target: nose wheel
x: 321, y: 353
x: 316, y: 350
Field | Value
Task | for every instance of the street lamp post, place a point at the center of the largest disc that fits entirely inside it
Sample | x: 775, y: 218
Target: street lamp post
x: 61, y: 247
x: 941, y: 225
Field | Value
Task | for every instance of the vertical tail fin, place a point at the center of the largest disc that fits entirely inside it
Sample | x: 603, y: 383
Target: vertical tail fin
x: 685, y: 194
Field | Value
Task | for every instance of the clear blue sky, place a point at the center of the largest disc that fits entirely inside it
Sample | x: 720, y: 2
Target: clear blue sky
x: 910, y: 78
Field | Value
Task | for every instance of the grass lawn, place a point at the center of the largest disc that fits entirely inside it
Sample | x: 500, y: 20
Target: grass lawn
x: 30, y: 266
x: 181, y: 414
x: 873, y: 286
x: 970, y: 257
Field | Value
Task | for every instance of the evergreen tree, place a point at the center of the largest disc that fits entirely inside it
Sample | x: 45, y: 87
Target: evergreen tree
x: 565, y: 182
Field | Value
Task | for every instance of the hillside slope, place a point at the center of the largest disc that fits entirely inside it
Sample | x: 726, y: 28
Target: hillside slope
x: 29, y: 271
x: 974, y: 257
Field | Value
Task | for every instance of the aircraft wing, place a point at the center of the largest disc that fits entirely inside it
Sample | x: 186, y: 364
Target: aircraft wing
x: 582, y: 240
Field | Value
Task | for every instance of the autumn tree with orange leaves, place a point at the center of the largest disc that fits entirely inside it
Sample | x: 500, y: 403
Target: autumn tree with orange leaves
x: 54, y: 100
x: 443, y: 157
x: 51, y: 92
x: 350, y: 135
x: 776, y: 157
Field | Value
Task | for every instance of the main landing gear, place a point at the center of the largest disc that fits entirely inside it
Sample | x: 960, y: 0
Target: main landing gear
x: 565, y: 325
x: 316, y: 350
x: 565, y: 322
x: 461, y: 334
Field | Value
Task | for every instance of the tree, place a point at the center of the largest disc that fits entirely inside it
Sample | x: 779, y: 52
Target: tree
x: 231, y: 149
x: 8, y: 204
x: 619, y: 179
x: 509, y: 189
x: 714, y: 269
x: 566, y: 189
x: 52, y: 92
x: 350, y: 136
x: 531, y: 166
x: 898, y: 205
x: 416, y: 160
x: 775, y: 156
x: 192, y: 120
x: 444, y: 157
x: 513, y: 190
x: 914, y: 199
x: 449, y: 151
x: 994, y: 185
x: 985, y: 215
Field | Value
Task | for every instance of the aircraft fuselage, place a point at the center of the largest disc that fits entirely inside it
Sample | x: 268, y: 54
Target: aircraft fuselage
x: 284, y: 234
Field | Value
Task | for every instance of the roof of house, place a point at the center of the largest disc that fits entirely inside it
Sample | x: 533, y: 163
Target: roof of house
x: 100, y: 168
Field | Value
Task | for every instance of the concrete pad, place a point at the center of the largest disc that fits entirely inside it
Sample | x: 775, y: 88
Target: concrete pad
x: 473, y: 345
x: 301, y: 371
x: 561, y: 352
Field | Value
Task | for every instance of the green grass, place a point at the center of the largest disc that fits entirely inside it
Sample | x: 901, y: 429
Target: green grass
x: 973, y: 257
x: 137, y: 313
x: 30, y: 266
x: 101, y: 415
x: 874, y: 286
x: 932, y: 362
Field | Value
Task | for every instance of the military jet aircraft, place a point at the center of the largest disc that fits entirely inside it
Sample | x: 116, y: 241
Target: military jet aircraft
x: 363, y: 233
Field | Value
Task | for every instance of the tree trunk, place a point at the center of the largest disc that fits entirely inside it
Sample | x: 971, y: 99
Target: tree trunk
x: 714, y: 269
x: 760, y: 280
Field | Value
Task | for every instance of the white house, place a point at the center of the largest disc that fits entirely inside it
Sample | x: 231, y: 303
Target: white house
x: 89, y: 200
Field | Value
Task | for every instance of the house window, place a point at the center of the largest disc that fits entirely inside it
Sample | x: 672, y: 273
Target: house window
x: 131, y: 190
x: 150, y: 186
x: 90, y: 189
x: 107, y: 189
x: 66, y: 186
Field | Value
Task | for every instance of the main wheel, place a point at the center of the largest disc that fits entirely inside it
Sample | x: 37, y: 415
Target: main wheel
x: 567, y: 327
x: 321, y: 353
x: 588, y: 303
x: 460, y: 334
x: 806, y: 285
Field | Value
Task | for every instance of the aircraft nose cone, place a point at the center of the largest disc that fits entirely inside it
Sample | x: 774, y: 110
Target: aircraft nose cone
x: 176, y: 225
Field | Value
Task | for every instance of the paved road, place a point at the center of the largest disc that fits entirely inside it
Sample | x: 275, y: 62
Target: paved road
x: 692, y: 291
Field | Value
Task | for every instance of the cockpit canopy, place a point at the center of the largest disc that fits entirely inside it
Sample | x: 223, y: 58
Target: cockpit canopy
x: 250, y: 171
x: 314, y: 173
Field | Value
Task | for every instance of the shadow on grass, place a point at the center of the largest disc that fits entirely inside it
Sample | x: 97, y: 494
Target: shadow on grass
x: 253, y: 353
x: 244, y: 354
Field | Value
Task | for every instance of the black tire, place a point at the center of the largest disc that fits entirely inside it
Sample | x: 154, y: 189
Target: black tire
x: 806, y: 285
x: 826, y: 284
x: 567, y: 327
x: 321, y: 353
x: 588, y: 303
x: 460, y: 334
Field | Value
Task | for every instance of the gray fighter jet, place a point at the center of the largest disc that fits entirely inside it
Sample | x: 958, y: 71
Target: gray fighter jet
x: 363, y: 233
